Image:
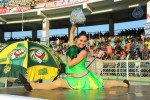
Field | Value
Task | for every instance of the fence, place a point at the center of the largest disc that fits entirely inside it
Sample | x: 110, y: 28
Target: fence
x: 136, y: 71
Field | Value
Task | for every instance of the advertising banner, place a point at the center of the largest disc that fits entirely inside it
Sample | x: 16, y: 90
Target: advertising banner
x: 4, y: 10
x: 17, y: 9
x: 62, y: 3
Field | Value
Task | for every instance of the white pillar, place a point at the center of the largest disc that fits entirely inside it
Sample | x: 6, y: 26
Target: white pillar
x: 148, y: 11
x: 45, y: 31
x: 147, y: 25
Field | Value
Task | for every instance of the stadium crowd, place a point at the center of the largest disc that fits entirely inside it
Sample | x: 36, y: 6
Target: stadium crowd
x: 107, y: 47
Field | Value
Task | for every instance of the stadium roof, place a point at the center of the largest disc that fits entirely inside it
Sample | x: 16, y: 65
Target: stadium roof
x: 97, y: 12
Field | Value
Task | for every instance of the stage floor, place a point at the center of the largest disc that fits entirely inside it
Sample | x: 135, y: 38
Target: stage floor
x: 135, y: 92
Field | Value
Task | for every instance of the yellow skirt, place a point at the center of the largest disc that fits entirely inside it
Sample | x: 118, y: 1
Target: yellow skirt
x: 88, y: 81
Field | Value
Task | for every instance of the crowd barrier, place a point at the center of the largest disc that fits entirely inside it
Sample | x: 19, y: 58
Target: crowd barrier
x: 136, y: 71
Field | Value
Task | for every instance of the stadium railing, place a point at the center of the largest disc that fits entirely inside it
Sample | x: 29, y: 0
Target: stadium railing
x: 136, y: 71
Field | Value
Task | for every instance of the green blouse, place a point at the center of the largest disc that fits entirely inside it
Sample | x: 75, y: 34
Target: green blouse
x: 78, y: 68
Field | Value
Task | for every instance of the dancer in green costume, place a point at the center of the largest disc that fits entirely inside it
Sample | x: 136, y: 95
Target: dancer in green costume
x: 80, y: 77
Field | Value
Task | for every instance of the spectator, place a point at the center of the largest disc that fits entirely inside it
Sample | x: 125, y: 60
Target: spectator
x: 142, y: 37
x: 138, y: 67
x: 133, y: 47
x: 141, y: 46
x: 101, y: 53
x: 118, y: 46
x: 137, y: 54
x: 32, y: 4
x: 114, y: 55
x: 57, y: 41
x: 127, y: 46
x: 145, y: 53
x: 109, y: 48
x: 122, y: 55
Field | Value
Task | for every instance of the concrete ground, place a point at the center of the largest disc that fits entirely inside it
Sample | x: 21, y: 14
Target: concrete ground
x: 135, y: 92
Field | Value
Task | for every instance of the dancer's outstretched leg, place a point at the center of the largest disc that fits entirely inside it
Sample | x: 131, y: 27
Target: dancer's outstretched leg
x: 60, y: 83
x: 45, y: 86
x: 115, y: 83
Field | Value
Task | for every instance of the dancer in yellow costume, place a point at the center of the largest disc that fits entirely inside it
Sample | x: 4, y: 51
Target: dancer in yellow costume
x: 80, y: 77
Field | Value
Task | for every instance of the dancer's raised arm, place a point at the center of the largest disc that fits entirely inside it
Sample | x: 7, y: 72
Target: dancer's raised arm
x: 71, y: 37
